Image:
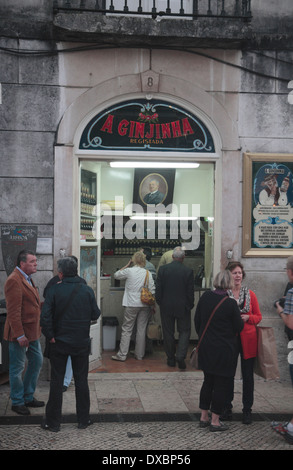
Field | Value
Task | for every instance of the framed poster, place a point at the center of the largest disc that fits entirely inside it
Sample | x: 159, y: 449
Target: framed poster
x: 153, y: 187
x: 267, y: 205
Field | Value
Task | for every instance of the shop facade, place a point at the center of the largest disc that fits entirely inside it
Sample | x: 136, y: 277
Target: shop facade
x: 181, y: 133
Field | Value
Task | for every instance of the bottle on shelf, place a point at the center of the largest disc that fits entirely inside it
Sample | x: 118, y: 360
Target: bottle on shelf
x: 285, y: 183
x: 87, y: 200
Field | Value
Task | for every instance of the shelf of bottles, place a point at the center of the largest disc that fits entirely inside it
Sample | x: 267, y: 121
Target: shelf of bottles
x: 129, y: 247
x: 87, y: 203
x: 159, y: 245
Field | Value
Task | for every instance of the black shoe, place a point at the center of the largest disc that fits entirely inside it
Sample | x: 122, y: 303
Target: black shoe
x: 84, y: 426
x: 171, y: 362
x: 226, y: 416
x: 220, y: 427
x: 46, y: 427
x: 181, y: 364
x: 20, y: 409
x: 64, y: 388
x: 35, y: 403
x: 246, y: 417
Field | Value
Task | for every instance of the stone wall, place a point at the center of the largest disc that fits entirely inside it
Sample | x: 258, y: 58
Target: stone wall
x: 38, y: 89
x: 29, y: 116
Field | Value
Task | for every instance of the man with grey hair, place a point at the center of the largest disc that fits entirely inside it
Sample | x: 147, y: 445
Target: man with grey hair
x: 175, y: 296
x: 154, y: 196
x: 52, y: 281
x: 67, y: 313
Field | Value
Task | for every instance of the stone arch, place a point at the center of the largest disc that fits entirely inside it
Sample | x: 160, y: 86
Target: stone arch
x: 111, y: 91
x: 119, y: 88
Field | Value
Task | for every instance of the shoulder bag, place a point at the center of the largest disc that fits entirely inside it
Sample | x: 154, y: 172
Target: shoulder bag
x: 194, y: 353
x: 146, y: 296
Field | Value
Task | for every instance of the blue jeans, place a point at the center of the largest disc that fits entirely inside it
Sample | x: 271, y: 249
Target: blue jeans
x: 22, y: 388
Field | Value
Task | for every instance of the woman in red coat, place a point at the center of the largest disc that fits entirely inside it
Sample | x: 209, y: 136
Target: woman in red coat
x: 251, y: 315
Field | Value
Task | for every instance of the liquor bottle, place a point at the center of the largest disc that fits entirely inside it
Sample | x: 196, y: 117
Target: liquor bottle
x: 285, y: 183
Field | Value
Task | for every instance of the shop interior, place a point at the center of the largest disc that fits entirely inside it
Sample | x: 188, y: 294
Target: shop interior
x: 115, y: 223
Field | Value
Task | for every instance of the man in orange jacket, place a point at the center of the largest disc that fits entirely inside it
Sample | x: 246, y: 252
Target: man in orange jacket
x: 22, y: 330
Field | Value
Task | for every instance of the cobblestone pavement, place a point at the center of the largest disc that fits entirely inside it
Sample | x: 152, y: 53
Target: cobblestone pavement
x: 148, y: 412
x: 152, y: 437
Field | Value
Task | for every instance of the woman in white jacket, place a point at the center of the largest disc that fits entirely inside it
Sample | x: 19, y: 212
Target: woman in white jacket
x: 134, y: 273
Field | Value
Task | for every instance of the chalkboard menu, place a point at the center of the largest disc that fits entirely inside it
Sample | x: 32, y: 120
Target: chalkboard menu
x: 15, y: 238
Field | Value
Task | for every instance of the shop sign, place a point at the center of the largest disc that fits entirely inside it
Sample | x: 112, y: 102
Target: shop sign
x: 147, y: 125
x: 15, y: 238
x: 268, y: 205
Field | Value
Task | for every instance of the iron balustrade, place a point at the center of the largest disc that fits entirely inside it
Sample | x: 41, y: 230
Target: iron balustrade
x: 189, y: 9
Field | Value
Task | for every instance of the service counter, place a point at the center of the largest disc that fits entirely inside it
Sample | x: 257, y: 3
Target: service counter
x: 112, y: 304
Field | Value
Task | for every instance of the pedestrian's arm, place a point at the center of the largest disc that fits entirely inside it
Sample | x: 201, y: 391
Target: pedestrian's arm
x: 255, y: 315
x: 286, y: 313
x: 151, y: 284
x: 287, y: 319
x: 197, y: 317
x: 122, y: 272
x: 238, y: 322
x: 158, y: 286
x: 13, y: 295
x: 96, y: 312
x: 190, y: 290
x: 46, y: 320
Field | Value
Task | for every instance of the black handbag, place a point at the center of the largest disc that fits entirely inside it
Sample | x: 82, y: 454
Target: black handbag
x: 47, y: 349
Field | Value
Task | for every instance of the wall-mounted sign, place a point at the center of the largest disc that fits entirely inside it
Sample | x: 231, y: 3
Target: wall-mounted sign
x: 268, y: 205
x: 15, y: 238
x: 147, y: 125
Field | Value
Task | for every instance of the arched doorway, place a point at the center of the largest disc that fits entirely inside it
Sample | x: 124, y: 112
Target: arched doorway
x: 71, y: 161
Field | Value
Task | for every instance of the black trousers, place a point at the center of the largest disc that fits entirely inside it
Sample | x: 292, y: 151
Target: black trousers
x: 59, y: 353
x: 213, y: 394
x: 183, y: 323
x: 247, y: 370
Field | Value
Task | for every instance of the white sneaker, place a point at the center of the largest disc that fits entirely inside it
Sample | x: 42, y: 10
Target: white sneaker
x: 117, y: 358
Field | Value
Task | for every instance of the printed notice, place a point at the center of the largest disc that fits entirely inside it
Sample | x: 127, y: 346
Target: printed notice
x: 272, y: 211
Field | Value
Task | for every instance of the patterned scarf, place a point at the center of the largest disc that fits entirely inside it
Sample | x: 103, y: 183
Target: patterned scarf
x: 244, y: 299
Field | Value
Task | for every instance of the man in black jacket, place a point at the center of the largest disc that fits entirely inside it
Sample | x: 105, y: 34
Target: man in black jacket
x: 68, y: 372
x: 175, y: 296
x: 67, y: 313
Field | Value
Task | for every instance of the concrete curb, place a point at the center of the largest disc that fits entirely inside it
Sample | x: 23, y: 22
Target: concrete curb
x: 139, y: 418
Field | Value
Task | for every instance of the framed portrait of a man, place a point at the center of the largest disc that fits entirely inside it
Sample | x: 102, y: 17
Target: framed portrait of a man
x: 153, y: 187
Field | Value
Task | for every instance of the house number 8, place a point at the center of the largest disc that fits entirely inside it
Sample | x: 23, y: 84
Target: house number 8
x: 150, y: 82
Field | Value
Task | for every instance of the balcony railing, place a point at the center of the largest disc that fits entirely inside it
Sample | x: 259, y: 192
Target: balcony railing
x: 187, y: 9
